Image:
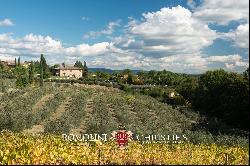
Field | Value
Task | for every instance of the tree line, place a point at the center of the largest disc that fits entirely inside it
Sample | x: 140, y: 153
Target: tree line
x: 35, y: 73
x: 218, y: 93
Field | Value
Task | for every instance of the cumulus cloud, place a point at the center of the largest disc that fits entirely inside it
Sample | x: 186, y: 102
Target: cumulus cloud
x: 6, y: 22
x: 109, y: 29
x: 172, y: 31
x: 223, y: 11
x: 33, y: 45
x: 230, y: 61
x: 232, y: 66
x: 5, y: 37
x: 87, y: 50
x: 240, y: 36
x: 171, y: 39
x: 225, y: 58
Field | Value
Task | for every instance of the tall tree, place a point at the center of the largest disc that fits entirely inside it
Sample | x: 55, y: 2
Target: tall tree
x: 22, y: 79
x: 15, y: 62
x: 31, y: 73
x: 126, y: 72
x: 1, y: 65
x: 85, y: 66
x: 18, y: 62
x: 224, y: 95
x: 78, y: 64
x: 85, y: 69
x: 130, y: 79
x: 246, y: 73
x: 42, y: 65
x: 63, y: 64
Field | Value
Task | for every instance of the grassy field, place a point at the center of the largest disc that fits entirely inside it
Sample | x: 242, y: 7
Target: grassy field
x: 36, y: 117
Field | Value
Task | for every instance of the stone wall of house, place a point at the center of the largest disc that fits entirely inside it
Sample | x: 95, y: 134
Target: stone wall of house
x: 70, y: 73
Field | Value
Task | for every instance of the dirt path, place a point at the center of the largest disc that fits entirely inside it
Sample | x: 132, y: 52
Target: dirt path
x: 112, y: 110
x: 39, y: 128
x: 88, y: 113
x: 61, y: 109
x: 35, y: 129
x: 42, y: 102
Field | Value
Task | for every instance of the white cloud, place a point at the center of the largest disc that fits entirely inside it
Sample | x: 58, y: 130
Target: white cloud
x: 5, y: 37
x: 230, y: 66
x: 242, y: 64
x: 106, y: 54
x: 172, y: 31
x: 225, y: 58
x: 230, y: 61
x: 6, y: 22
x: 240, y: 36
x: 223, y: 11
x: 171, y: 39
x: 33, y: 45
x: 109, y: 29
x: 88, y: 50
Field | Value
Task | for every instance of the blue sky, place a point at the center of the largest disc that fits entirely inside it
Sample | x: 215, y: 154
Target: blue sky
x: 180, y: 36
x: 63, y: 18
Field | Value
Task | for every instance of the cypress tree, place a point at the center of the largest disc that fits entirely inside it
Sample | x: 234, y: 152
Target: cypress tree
x: 18, y: 62
x: 41, y: 69
x: 85, y: 69
x: 15, y: 62
x: 45, y: 67
x: 31, y: 73
x: 79, y: 64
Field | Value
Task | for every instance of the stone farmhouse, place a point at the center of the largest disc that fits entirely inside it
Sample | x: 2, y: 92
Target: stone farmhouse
x: 68, y: 71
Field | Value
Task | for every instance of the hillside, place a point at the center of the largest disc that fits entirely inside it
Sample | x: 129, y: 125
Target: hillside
x: 59, y: 108
x: 37, y: 117
x: 64, y: 108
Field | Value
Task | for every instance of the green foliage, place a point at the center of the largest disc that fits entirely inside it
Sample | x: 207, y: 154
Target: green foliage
x: 187, y: 87
x: 1, y: 66
x: 246, y: 74
x: 126, y: 72
x: 106, y: 109
x: 126, y: 88
x: 31, y: 73
x: 44, y: 68
x: 78, y: 64
x: 102, y: 76
x: 5, y: 72
x: 18, y: 62
x: 22, y: 79
x: 85, y: 67
x: 224, y: 95
x: 130, y: 79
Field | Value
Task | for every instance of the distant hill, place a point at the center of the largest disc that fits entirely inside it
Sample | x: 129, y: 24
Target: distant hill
x: 110, y: 71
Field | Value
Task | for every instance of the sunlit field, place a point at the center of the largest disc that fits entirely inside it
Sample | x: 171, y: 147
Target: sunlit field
x: 49, y: 149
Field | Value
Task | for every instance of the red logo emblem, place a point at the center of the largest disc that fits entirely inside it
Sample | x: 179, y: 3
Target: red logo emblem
x: 122, y: 137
